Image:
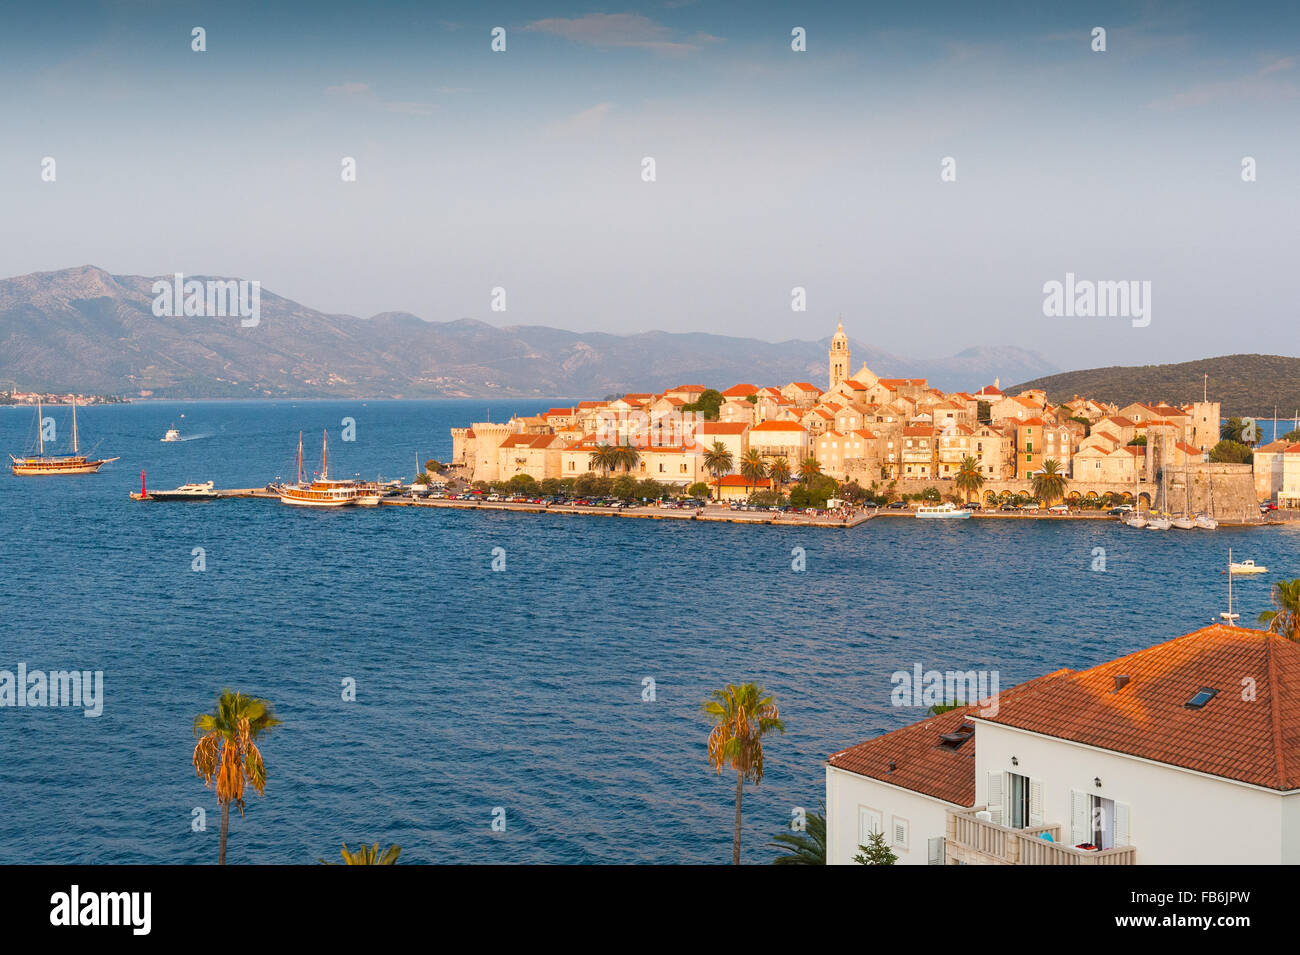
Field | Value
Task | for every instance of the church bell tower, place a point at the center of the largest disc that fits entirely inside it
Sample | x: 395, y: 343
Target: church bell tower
x: 839, y: 356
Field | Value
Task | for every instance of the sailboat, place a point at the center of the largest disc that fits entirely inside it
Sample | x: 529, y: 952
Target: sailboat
x: 1229, y: 616
x: 1159, y: 521
x: 41, y: 465
x: 322, y: 492
x: 1186, y: 521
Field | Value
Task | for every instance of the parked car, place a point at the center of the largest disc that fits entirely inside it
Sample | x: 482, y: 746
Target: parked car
x: 897, y: 505
x: 1059, y: 509
x: 1009, y: 507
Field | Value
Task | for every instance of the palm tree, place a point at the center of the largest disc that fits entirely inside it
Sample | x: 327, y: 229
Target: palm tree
x: 969, y: 479
x: 809, y: 469
x: 742, y: 715
x: 753, y: 467
x: 226, y: 751
x: 1049, y: 483
x: 719, y: 462
x: 803, y: 848
x: 606, y: 457
x: 368, y: 855
x: 626, y: 457
x: 779, y: 471
x: 1286, y: 618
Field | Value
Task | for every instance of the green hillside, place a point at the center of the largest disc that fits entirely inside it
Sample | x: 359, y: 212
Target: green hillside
x: 1244, y: 384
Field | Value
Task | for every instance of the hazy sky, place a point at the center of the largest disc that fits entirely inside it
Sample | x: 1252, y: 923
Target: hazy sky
x: 774, y: 168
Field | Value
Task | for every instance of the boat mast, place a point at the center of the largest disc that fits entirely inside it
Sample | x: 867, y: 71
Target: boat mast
x: 324, y: 455
x: 300, y: 458
x: 40, y: 426
x: 74, y: 426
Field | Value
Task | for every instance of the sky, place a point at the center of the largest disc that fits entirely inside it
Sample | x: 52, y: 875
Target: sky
x: 774, y: 169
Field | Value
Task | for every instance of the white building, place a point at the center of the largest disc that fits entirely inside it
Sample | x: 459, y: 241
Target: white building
x: 1185, y: 753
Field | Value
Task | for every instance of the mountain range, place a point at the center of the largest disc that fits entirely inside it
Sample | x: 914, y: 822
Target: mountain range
x: 84, y: 329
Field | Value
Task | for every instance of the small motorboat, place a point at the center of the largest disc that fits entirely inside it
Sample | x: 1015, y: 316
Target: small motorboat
x: 1247, y: 567
x: 171, y: 435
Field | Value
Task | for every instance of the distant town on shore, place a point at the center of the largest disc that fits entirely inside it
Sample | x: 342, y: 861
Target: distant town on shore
x: 866, y: 437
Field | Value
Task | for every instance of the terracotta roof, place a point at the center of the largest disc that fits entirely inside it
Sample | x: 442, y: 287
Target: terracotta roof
x: 1186, y: 448
x: 1273, y: 447
x: 721, y: 427
x: 804, y: 386
x: 922, y: 763
x: 740, y: 391
x: 1254, y: 740
x: 777, y: 426
x: 559, y: 412
x: 1294, y: 449
x: 739, y: 480
x: 919, y: 431
x: 1032, y: 421
x: 1121, y: 421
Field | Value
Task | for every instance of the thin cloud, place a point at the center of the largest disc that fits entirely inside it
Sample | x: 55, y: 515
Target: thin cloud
x: 581, y: 124
x: 626, y: 30
x: 363, y: 94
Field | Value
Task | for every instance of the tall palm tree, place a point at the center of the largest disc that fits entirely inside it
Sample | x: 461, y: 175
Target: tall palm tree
x: 741, y: 715
x: 969, y: 480
x: 626, y: 457
x: 1049, y: 483
x: 719, y: 462
x: 779, y: 472
x: 803, y: 848
x: 605, y: 457
x: 1286, y: 618
x: 226, y: 751
x: 367, y: 855
x: 753, y: 467
x: 809, y: 468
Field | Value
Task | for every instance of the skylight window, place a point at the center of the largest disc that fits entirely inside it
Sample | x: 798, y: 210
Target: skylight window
x: 1202, y: 696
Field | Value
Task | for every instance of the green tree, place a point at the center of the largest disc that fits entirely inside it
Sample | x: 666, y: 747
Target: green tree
x: 626, y: 457
x: 623, y: 487
x: 707, y: 404
x: 718, y: 460
x: 1292, y: 436
x: 227, y: 751
x: 1237, y: 430
x: 969, y: 479
x: 434, y: 466
x: 803, y: 848
x: 1284, y: 620
x: 809, y: 468
x: 1228, y: 451
x: 875, y: 852
x: 779, y: 472
x: 983, y: 412
x: 698, y: 489
x: 752, y: 467
x: 368, y: 855
x: 742, y: 716
x: 522, y: 484
x: 606, y: 457
x: 1049, y: 483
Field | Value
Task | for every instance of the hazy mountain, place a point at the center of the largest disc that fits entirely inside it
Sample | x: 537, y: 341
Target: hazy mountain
x: 87, y: 330
x: 1244, y: 384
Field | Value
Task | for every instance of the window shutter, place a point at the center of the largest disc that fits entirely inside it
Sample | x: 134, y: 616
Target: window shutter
x: 995, y: 797
x: 934, y: 853
x: 1080, y: 831
x: 1121, y: 824
x: 1035, y: 802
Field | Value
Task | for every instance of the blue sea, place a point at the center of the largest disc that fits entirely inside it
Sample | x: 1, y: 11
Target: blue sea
x: 519, y: 690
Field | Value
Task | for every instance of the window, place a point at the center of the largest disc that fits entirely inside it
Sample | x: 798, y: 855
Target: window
x: 900, y: 827
x: 869, y: 821
x: 1201, y: 697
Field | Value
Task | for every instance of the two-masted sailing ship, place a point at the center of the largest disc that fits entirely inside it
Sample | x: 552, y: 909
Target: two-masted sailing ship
x: 43, y: 464
x: 323, y: 491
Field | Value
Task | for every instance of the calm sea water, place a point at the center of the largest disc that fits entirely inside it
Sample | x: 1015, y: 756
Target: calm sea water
x: 520, y: 689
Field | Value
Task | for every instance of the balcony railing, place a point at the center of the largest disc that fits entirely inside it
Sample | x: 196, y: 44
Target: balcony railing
x: 1007, y: 846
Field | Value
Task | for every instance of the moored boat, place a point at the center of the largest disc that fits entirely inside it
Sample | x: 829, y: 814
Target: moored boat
x: 186, y: 492
x: 1246, y: 567
x: 323, y: 491
x: 945, y: 511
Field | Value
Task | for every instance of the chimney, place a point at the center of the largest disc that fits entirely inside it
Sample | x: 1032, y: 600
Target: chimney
x: 1121, y: 681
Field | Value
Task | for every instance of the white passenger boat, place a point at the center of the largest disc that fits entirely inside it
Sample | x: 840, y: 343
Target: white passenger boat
x: 171, y: 435
x: 946, y: 511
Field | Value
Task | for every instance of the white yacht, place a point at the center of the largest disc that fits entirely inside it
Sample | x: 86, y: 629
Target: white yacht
x: 171, y: 435
x: 1247, y: 567
x: 944, y: 511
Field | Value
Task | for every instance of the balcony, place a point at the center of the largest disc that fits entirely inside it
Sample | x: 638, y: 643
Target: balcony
x: 979, y: 842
